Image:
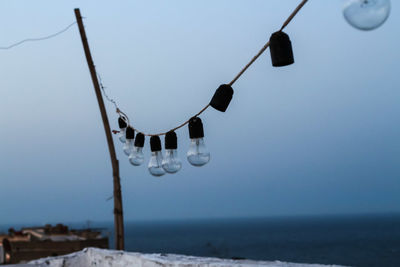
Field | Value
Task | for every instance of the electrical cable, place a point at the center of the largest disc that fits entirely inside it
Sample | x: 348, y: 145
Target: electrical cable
x: 288, y: 20
x: 111, y: 100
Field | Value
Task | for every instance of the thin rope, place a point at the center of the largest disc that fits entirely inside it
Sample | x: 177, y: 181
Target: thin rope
x: 102, y: 87
x: 38, y: 39
x: 294, y: 13
x: 288, y: 20
x: 250, y: 63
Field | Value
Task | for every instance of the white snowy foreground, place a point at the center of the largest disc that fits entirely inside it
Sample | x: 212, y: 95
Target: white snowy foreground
x: 102, y: 257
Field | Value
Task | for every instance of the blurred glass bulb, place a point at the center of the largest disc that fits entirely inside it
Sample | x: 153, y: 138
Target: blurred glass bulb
x: 155, y: 163
x: 129, y: 138
x: 171, y: 163
x: 136, y: 157
x: 366, y: 14
x: 121, y: 135
x: 198, y: 154
x: 122, y: 129
x: 128, y: 146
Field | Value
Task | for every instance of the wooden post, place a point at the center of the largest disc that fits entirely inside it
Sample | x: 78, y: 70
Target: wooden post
x: 118, y: 214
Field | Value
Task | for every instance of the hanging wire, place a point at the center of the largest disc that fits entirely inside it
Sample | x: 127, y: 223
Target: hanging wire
x: 38, y: 39
x: 294, y: 13
x: 111, y: 100
x: 102, y: 87
x: 288, y: 20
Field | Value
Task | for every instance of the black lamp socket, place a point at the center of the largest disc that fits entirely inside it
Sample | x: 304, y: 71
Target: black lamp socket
x: 171, y: 140
x: 281, y: 49
x: 122, y: 123
x: 196, y: 128
x: 222, y: 97
x: 139, y: 140
x: 130, y: 133
x: 155, y: 143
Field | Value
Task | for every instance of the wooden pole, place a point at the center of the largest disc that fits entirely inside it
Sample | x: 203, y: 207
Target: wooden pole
x: 118, y: 214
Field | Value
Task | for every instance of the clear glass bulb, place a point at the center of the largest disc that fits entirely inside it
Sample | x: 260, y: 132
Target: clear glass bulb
x: 128, y: 146
x: 121, y: 135
x: 171, y: 163
x: 155, y: 164
x: 366, y: 14
x: 136, y: 157
x: 198, y: 154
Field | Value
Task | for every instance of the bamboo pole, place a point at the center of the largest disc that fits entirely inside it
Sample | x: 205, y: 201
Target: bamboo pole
x: 118, y: 212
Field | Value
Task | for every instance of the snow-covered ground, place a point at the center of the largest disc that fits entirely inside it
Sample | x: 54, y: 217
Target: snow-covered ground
x: 102, y: 257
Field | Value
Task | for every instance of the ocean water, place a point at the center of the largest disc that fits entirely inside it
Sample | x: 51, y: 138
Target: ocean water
x: 345, y: 240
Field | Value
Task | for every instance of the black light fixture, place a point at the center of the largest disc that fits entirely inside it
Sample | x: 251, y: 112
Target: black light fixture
x: 171, y: 140
x: 281, y: 49
x: 155, y: 143
x: 139, y: 140
x: 196, y: 128
x: 130, y: 133
x: 121, y: 123
x: 222, y: 97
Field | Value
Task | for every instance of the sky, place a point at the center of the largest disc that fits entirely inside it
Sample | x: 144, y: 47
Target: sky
x: 318, y: 137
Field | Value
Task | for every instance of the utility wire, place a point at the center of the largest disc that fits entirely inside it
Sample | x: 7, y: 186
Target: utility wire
x: 287, y: 21
x: 38, y: 39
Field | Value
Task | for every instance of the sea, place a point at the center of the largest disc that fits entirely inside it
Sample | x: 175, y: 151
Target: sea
x: 362, y: 240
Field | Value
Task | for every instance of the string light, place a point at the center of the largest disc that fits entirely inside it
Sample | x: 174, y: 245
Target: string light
x: 171, y: 163
x: 136, y: 157
x: 122, y: 129
x: 129, y: 140
x: 155, y: 163
x: 361, y: 14
x: 198, y: 154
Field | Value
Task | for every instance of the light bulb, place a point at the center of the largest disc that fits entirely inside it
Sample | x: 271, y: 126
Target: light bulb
x: 128, y: 146
x: 155, y: 163
x: 121, y: 135
x: 198, y: 154
x: 366, y: 14
x: 136, y: 157
x: 171, y: 163
x: 122, y: 126
x: 129, y: 137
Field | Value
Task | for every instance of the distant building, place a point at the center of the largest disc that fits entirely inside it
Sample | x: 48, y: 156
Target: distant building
x: 38, y: 242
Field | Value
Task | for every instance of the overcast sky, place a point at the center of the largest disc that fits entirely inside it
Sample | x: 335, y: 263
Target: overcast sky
x: 318, y: 137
